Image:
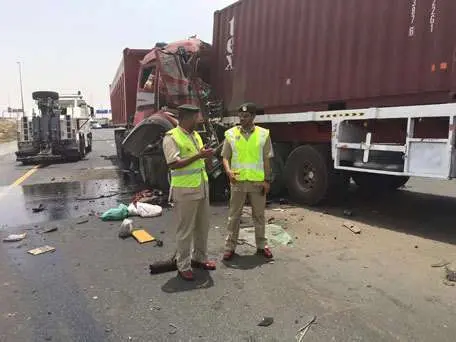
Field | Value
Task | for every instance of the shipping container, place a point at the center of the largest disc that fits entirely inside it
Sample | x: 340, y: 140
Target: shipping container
x: 124, y: 86
x: 303, y: 55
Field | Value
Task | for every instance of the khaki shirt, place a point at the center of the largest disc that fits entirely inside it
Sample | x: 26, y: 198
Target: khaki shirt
x: 268, y: 153
x: 172, y: 154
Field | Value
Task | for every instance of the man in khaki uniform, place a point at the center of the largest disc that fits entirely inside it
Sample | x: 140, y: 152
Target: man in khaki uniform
x: 185, y: 154
x: 246, y: 157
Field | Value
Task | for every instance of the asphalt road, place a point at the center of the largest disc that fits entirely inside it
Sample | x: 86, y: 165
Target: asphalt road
x: 376, y: 286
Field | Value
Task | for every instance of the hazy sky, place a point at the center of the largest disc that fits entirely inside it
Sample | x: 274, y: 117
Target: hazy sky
x: 70, y: 45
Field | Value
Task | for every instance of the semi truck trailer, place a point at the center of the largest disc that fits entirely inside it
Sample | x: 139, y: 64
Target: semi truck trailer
x: 361, y: 90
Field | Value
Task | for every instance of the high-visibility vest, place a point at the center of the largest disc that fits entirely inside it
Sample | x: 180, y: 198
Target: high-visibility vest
x: 247, y: 155
x: 191, y: 175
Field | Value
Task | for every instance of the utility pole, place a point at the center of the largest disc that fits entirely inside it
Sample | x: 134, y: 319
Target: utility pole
x: 20, y: 82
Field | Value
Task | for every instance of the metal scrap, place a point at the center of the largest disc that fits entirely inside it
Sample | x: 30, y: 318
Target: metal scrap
x: 303, y: 331
x: 442, y: 263
x: 266, y: 322
x: 15, y: 237
x: 352, y: 227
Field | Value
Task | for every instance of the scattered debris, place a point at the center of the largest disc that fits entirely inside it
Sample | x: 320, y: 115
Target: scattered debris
x: 352, y: 227
x: 276, y: 235
x: 173, y: 330
x: 52, y: 179
x: 39, y: 209
x: 416, y: 246
x: 442, y: 263
x: 271, y: 219
x: 50, y: 230
x: 448, y: 283
x: 283, y: 201
x: 15, y: 237
x: 303, y: 331
x: 76, y: 207
x: 142, y: 236
x: 266, y: 322
x: 148, y: 210
x: 163, y: 266
x: 103, y: 196
x: 41, y: 250
x: 126, y: 228
x: 450, y: 274
x: 158, y: 243
x: 156, y: 307
x: 95, y: 297
x: 348, y: 213
x: 115, y: 214
x: 112, y: 157
x: 82, y: 221
x: 279, y: 209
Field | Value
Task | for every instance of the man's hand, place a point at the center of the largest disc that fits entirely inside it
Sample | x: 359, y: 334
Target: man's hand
x: 232, y: 175
x: 266, y: 188
x: 206, y: 153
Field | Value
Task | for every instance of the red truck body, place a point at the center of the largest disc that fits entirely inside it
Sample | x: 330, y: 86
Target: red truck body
x: 302, y: 55
x: 124, y: 87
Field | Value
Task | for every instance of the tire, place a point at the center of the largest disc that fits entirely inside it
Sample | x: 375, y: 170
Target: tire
x: 43, y: 95
x: 309, y: 176
x: 377, y: 182
x: 154, y: 172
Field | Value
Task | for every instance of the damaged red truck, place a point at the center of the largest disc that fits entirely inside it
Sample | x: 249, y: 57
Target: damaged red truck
x: 359, y: 89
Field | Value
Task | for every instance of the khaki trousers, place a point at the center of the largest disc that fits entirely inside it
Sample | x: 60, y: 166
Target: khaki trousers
x: 239, y: 193
x: 192, y: 227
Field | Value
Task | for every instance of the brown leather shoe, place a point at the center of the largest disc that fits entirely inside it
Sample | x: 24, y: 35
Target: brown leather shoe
x: 266, y: 252
x: 186, y: 275
x: 205, y: 265
x: 228, y: 255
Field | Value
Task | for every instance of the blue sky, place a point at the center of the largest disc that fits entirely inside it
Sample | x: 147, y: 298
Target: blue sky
x: 70, y: 45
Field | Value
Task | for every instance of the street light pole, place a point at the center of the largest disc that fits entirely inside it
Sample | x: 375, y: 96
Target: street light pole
x: 20, y: 82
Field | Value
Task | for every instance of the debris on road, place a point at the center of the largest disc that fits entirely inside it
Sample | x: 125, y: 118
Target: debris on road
x: 39, y: 209
x: 279, y: 209
x: 158, y: 243
x: 348, y: 213
x: 163, y: 266
x: 148, y: 210
x: 442, y: 263
x: 82, y: 221
x: 303, y: 331
x: 266, y: 322
x: 173, y: 330
x: 52, y: 179
x: 276, y: 235
x: 115, y: 214
x: 142, y: 236
x: 271, y: 219
x: 450, y: 274
x: 352, y: 227
x: 50, y: 230
x: 15, y: 237
x: 41, y: 250
x: 126, y: 228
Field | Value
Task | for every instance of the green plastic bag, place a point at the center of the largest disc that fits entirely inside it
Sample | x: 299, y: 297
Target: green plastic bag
x: 115, y: 214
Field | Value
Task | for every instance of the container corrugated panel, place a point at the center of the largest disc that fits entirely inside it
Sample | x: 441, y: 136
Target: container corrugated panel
x: 294, y: 55
x: 125, y: 84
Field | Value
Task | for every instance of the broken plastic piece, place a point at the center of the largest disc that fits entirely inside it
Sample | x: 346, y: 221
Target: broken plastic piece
x: 15, y: 237
x: 266, y: 322
x: 41, y: 250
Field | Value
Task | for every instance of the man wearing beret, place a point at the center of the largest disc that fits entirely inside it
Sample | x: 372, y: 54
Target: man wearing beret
x: 185, y: 154
x: 246, y: 158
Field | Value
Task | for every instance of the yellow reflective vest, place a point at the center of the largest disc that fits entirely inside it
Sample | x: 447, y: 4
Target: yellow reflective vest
x: 247, y: 155
x: 191, y: 175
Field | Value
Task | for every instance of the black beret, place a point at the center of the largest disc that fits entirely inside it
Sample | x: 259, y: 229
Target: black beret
x: 248, y: 107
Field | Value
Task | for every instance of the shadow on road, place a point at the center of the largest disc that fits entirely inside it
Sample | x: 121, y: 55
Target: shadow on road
x: 245, y: 262
x: 425, y: 215
x: 203, y: 280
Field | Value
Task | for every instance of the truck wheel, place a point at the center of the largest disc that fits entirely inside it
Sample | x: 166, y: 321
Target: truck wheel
x: 154, y: 171
x: 310, y: 177
x: 377, y: 182
x: 43, y: 95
